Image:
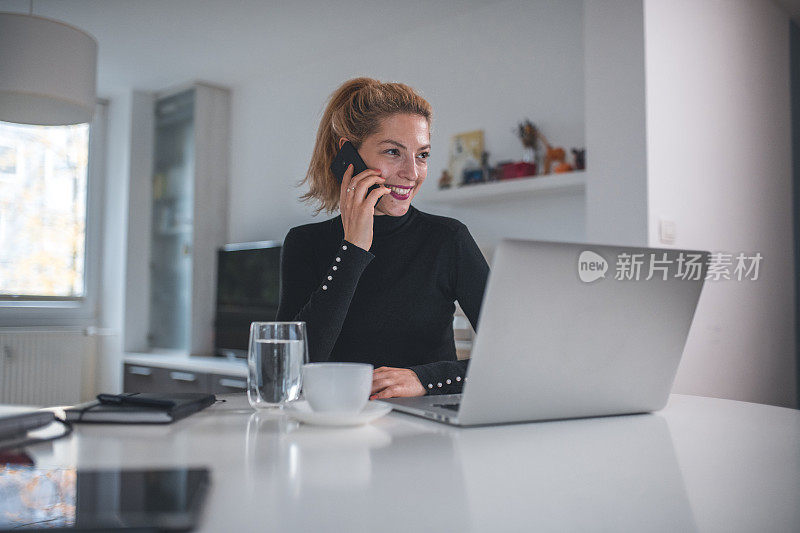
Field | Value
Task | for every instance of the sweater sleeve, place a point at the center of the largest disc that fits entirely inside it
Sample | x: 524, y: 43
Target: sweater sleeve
x: 321, y: 303
x: 469, y: 272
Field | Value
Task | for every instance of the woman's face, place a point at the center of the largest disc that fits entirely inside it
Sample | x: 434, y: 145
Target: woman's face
x: 399, y: 149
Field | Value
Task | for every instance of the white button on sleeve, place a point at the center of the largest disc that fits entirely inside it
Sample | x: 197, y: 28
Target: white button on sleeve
x: 439, y: 385
x: 338, y: 259
x: 334, y: 267
x: 448, y: 382
x: 344, y: 247
x: 458, y: 378
x: 324, y: 287
x: 430, y: 385
x: 330, y: 278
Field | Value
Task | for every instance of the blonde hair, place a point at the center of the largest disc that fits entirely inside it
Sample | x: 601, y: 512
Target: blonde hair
x: 354, y: 111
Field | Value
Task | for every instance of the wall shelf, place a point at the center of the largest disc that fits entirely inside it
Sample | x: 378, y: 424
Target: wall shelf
x: 567, y: 182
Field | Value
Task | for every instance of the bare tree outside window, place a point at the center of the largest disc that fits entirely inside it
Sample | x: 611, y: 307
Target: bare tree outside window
x: 43, y: 180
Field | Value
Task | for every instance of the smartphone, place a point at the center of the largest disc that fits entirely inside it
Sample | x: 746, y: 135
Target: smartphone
x: 348, y: 155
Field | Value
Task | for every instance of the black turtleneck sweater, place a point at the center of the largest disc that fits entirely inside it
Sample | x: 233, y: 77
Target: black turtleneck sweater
x: 392, y: 305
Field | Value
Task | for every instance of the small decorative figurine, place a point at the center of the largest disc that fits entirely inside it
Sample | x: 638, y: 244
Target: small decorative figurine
x: 473, y: 175
x: 528, y: 133
x: 580, y: 158
x: 554, y: 159
x: 446, y: 180
x: 485, y: 168
x: 563, y: 166
x: 559, y: 160
x: 551, y: 155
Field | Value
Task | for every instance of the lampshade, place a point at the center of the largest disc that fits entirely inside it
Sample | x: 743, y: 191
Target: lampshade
x: 48, y: 71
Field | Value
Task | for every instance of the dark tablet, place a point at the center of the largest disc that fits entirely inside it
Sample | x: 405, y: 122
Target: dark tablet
x: 91, y: 500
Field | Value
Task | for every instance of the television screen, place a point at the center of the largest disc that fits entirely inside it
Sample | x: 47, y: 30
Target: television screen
x: 248, y: 285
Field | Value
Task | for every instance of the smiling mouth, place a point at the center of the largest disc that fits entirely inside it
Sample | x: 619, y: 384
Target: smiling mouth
x: 400, y: 193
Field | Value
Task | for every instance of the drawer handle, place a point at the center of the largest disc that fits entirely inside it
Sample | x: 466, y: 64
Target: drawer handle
x: 183, y: 376
x: 140, y: 371
x: 233, y: 383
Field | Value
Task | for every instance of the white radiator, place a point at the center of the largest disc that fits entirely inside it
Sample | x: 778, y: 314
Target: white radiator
x: 46, y: 367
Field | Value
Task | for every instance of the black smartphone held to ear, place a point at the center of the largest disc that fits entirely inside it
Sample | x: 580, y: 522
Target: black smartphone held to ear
x: 348, y: 155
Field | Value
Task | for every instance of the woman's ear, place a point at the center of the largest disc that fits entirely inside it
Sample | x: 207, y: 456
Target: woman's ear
x: 341, y: 142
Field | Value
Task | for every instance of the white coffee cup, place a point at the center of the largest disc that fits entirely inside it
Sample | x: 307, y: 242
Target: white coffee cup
x: 337, y: 387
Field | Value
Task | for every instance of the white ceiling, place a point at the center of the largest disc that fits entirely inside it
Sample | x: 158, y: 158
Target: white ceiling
x: 155, y: 44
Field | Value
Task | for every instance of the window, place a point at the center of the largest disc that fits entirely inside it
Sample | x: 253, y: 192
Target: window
x: 47, y: 235
x: 43, y: 211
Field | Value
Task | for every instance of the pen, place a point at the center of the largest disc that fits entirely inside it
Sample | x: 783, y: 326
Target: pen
x: 134, y: 399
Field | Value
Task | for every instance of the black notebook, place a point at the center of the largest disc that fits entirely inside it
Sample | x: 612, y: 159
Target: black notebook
x: 173, y: 406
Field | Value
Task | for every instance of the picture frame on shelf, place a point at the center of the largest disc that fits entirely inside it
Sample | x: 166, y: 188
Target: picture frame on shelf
x: 466, y: 150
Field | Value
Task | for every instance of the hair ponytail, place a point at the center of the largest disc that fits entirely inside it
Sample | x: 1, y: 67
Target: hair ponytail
x: 354, y: 111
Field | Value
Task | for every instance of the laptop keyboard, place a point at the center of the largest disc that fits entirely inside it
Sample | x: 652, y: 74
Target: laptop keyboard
x: 451, y: 406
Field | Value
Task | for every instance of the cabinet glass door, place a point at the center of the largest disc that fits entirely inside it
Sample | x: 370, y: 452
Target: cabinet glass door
x: 172, y: 222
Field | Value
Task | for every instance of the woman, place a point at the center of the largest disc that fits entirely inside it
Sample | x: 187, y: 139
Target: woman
x: 377, y: 284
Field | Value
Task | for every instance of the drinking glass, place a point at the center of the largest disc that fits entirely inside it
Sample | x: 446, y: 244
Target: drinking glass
x: 275, y: 358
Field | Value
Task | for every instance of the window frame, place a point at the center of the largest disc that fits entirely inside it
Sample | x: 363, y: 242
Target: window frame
x: 20, y: 312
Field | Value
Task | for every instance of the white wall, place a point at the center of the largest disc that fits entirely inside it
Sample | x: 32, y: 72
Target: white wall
x: 115, y: 214
x: 482, y: 63
x: 484, y: 68
x: 554, y: 216
x: 713, y: 112
x: 140, y: 142
x: 719, y: 165
x: 616, y: 190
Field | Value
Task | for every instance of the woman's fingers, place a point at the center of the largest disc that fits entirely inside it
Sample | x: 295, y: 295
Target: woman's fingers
x: 362, y: 183
x: 356, y: 214
x: 372, y: 197
x: 388, y: 392
x: 383, y: 372
x: 383, y: 377
x: 354, y: 180
x: 348, y: 175
x: 349, y: 181
x: 380, y: 384
x: 390, y: 382
x: 349, y: 197
x: 344, y: 192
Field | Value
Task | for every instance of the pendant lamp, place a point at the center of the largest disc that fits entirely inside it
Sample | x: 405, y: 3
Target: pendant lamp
x: 48, y: 71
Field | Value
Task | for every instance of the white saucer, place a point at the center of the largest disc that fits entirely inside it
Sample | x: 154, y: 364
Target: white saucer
x: 300, y: 410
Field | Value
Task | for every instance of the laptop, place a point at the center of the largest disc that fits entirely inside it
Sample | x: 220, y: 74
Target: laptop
x: 570, y: 330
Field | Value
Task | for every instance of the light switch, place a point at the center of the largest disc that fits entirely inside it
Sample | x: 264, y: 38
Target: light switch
x: 667, y: 231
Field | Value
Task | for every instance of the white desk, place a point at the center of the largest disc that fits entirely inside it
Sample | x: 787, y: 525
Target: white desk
x: 699, y: 465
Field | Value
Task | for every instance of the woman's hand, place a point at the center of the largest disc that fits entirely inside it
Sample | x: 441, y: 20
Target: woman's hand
x: 390, y: 382
x: 357, y: 211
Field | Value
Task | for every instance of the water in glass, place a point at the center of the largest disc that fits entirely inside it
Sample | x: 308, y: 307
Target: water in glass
x: 275, y: 370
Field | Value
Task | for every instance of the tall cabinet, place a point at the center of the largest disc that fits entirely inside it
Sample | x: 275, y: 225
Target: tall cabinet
x: 177, y: 220
x: 172, y: 222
